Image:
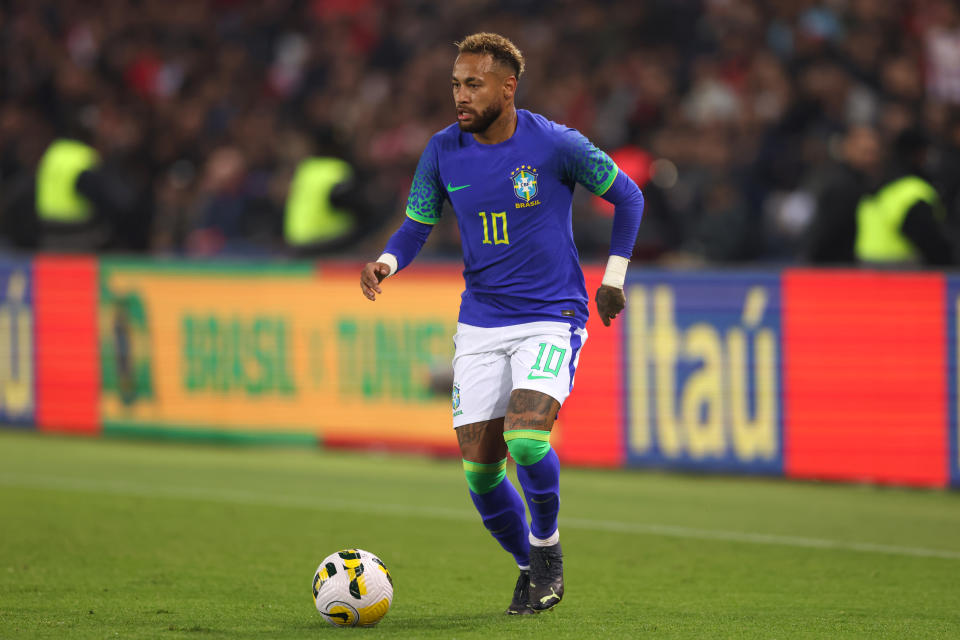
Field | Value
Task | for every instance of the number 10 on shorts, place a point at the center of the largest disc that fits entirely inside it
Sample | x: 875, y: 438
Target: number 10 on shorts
x: 551, y: 368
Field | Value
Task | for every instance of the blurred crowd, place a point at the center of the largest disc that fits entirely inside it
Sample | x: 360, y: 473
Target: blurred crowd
x: 753, y: 126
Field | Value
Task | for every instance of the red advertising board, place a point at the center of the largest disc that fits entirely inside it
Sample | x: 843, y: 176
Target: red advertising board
x: 865, y: 376
x: 67, y: 359
x: 590, y: 427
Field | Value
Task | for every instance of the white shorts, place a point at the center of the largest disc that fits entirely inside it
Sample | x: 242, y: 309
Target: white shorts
x: 489, y: 363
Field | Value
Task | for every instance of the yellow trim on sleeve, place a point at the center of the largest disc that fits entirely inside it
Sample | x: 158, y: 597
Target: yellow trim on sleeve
x: 608, y: 182
x: 413, y: 215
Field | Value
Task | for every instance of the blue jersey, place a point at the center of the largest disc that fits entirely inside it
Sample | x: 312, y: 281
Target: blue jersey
x: 513, y: 206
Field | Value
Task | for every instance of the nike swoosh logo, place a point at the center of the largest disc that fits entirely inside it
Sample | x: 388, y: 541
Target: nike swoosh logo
x: 530, y: 376
x: 452, y: 188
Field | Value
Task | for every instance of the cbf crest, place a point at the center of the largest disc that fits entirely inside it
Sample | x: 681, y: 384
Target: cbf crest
x: 524, y: 182
x: 456, y: 397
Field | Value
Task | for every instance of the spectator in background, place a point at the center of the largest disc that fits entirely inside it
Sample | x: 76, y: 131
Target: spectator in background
x: 84, y: 200
x: 904, y: 222
x: 125, y: 187
x: 833, y: 231
x: 219, y: 217
x: 326, y: 209
x: 66, y: 199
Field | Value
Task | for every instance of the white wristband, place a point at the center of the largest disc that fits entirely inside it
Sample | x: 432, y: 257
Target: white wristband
x: 391, y: 261
x: 616, y: 272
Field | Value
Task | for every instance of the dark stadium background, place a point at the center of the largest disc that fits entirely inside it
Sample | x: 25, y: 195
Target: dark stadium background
x: 730, y: 113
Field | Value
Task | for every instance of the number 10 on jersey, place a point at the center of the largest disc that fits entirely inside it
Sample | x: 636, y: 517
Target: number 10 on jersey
x: 499, y: 223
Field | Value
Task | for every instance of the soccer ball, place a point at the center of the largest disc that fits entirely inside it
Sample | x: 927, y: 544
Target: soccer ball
x: 352, y: 588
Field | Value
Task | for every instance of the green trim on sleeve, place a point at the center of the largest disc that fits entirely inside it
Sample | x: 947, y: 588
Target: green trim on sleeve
x: 413, y: 215
x: 609, y: 181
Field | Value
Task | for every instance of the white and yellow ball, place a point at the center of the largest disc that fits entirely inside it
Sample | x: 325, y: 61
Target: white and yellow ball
x: 352, y: 588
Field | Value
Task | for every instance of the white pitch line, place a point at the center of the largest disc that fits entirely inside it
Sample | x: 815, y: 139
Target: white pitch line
x: 757, y: 538
x: 233, y: 496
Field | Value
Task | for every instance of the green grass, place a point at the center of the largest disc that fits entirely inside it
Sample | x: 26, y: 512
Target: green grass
x: 132, y: 539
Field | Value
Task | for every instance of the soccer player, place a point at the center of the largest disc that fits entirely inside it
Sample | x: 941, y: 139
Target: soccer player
x: 509, y: 175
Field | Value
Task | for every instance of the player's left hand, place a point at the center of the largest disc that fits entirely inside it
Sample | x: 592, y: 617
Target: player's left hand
x: 610, y: 302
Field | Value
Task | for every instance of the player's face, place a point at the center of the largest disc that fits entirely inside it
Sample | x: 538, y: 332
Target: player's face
x: 480, y: 91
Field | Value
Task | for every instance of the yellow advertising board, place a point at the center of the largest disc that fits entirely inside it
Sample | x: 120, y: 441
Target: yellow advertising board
x: 267, y: 350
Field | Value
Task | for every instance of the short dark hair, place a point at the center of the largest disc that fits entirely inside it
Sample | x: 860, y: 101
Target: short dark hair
x: 502, y: 50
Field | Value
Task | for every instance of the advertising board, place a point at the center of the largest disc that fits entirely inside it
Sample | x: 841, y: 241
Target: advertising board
x: 866, y: 376
x: 281, y: 353
x: 17, y: 381
x: 703, y: 371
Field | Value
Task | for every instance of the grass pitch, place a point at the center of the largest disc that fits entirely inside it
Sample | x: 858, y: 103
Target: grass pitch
x: 149, y: 540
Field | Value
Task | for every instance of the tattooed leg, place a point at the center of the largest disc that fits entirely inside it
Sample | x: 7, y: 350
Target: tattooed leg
x: 529, y: 409
x: 527, y: 426
x: 482, y: 441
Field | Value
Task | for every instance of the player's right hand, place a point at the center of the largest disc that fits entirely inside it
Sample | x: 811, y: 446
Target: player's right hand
x: 371, y: 277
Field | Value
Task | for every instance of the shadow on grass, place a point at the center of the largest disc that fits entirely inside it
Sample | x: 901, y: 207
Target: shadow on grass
x: 448, y: 623
x: 412, y: 627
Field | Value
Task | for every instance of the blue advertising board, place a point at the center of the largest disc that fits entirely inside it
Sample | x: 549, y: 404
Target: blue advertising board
x: 17, y: 380
x: 953, y: 346
x: 703, y: 371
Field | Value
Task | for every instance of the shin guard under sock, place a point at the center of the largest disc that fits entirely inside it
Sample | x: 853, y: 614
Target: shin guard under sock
x: 503, y: 514
x: 541, y: 487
